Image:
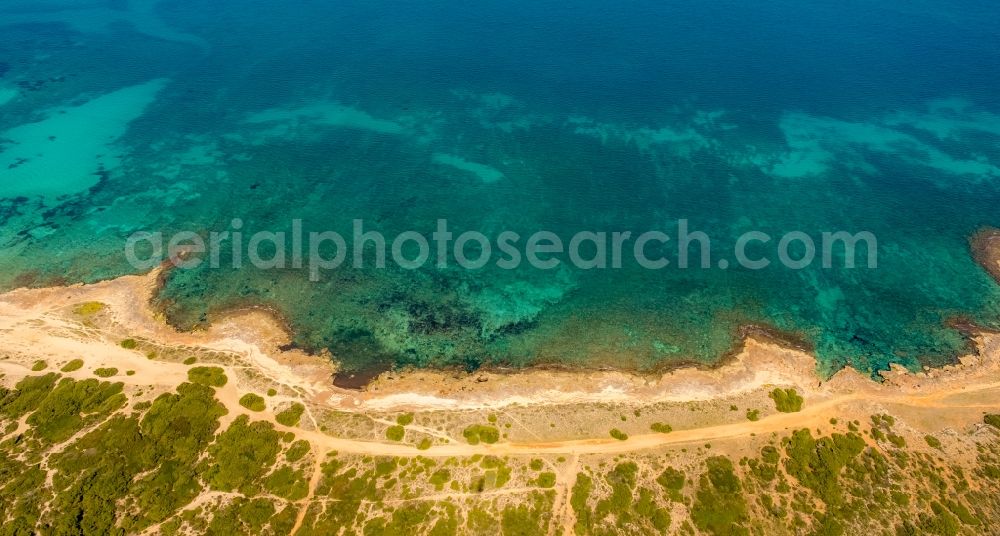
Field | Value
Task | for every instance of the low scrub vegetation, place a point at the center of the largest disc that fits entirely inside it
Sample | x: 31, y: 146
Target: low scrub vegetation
x: 786, y: 400
x: 253, y: 402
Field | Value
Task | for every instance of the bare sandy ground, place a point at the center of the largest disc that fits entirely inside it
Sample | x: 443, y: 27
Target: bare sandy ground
x: 41, y: 324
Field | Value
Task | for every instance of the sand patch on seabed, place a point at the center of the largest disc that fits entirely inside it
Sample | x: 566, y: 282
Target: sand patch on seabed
x: 39, y: 324
x: 681, y: 140
x: 64, y: 153
x: 486, y: 174
x: 948, y: 119
x: 816, y: 144
x: 287, y: 121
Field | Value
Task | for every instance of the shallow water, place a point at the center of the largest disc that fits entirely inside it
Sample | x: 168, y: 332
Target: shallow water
x: 518, y: 116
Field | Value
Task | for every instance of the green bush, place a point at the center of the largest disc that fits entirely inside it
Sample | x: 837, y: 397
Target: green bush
x: 287, y: 483
x: 242, y: 455
x: 75, y: 364
x: 661, y: 428
x: 210, y: 376
x: 671, y: 479
x: 129, y: 344
x: 439, y: 478
x: 73, y: 405
x: 579, y: 501
x: 191, y: 360
x: 291, y: 416
x: 146, y: 458
x: 39, y: 366
x: 753, y: 414
x: 105, y: 372
x: 253, y: 402
x: 297, y: 451
x: 787, y: 400
x: 818, y: 463
x: 272, y: 392
x: 425, y: 444
x: 618, y: 434
x: 481, y: 433
x: 395, y: 433
x: 992, y: 420
x: 89, y: 308
x: 405, y: 419
x: 546, y: 480
x: 719, y: 506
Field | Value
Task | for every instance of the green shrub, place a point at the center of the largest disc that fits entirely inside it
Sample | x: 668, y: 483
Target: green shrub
x: 618, y: 434
x: 272, y: 392
x: 786, y: 400
x: 395, y: 433
x: 992, y: 420
x: 753, y: 414
x: 148, y: 462
x: 105, y: 372
x: 671, y: 479
x: 439, y: 478
x: 661, y: 428
x: 522, y: 519
x: 253, y: 402
x: 478, y: 432
x: 72, y: 405
x: 287, y: 483
x: 242, y: 455
x: 39, y: 366
x: 297, y: 451
x: 719, y: 506
x: 129, y: 344
x: 770, y: 455
x: 26, y: 396
x: 210, y: 376
x: 579, y: 501
x: 291, y: 416
x: 75, y: 364
x: 425, y: 444
x: 89, y: 308
x: 191, y: 360
x: 546, y: 480
x: 405, y: 419
x: 817, y: 463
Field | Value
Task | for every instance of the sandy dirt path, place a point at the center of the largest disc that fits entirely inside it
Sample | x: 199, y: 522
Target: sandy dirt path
x: 171, y: 374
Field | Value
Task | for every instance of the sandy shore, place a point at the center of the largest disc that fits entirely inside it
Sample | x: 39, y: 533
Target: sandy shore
x: 40, y: 324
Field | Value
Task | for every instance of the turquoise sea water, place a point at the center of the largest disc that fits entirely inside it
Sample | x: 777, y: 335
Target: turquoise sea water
x: 121, y: 116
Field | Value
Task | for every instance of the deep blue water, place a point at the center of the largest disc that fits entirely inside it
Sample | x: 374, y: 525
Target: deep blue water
x: 598, y: 116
